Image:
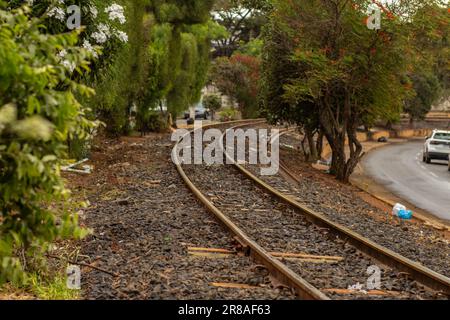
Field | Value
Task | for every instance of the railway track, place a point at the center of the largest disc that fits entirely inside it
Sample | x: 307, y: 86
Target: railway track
x: 301, y: 248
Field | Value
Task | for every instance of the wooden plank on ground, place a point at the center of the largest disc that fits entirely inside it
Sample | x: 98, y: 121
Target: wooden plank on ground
x: 210, y: 255
x: 214, y: 250
x: 232, y: 285
x: 304, y: 256
x: 369, y: 292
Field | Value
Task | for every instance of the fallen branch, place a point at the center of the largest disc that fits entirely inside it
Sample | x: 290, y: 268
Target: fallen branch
x: 83, y: 264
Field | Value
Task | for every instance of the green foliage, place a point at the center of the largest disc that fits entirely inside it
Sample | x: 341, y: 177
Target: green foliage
x: 38, y: 113
x: 228, y: 114
x: 123, y: 81
x: 243, y: 19
x: 179, y: 53
x: 324, y: 69
x: 430, y: 72
x: 427, y: 91
x: 153, y: 121
x: 252, y: 48
x: 238, y: 77
x: 212, y: 102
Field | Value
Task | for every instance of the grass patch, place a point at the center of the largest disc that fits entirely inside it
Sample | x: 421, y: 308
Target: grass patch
x: 54, y: 289
x: 40, y: 289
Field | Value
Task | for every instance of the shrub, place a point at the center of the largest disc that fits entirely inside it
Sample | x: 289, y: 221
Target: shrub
x: 153, y: 121
x: 228, y: 114
x: 38, y: 114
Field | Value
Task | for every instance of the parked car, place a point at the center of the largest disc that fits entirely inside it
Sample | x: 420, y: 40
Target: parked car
x: 437, y: 146
x: 200, y: 113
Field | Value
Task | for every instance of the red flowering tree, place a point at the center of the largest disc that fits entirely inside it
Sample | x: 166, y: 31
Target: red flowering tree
x: 323, y: 64
x: 238, y: 77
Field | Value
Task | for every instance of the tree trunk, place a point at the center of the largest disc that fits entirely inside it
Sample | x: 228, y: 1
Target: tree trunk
x: 338, y: 163
x: 319, y: 144
x: 337, y: 132
x: 355, y: 152
x: 313, y: 155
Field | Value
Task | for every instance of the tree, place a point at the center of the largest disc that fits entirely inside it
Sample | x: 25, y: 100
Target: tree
x: 213, y: 103
x: 121, y: 81
x: 344, y: 75
x: 243, y: 19
x: 429, y: 74
x: 238, y: 77
x: 427, y: 91
x: 180, y: 52
x: 277, y: 70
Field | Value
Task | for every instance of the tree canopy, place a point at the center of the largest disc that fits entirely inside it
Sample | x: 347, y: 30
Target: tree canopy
x: 338, y: 75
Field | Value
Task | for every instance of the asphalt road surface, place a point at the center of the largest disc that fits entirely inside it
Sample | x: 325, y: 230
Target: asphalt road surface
x: 400, y: 169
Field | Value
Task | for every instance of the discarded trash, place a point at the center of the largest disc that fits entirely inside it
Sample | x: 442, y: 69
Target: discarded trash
x: 383, y: 140
x: 324, y: 162
x: 397, y: 208
x: 86, y: 169
x: 400, y: 211
x: 405, y: 214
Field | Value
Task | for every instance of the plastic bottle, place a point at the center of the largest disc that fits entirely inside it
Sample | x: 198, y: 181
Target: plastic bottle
x: 397, y: 208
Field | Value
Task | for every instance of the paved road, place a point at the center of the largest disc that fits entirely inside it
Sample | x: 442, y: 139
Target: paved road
x: 400, y: 169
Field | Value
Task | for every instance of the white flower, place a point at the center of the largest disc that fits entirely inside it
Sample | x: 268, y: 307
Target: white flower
x: 94, y: 11
x: 62, y: 54
x: 102, y: 34
x: 99, y: 37
x: 87, y: 45
x: 105, y: 29
x: 116, y: 12
x: 122, y: 36
x: 69, y: 65
x: 58, y: 13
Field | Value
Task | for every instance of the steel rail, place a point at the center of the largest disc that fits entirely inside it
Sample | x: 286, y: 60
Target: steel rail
x: 281, y: 272
x: 419, y: 272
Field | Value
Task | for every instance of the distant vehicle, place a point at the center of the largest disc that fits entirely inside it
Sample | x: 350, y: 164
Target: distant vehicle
x: 437, y: 146
x: 200, y: 113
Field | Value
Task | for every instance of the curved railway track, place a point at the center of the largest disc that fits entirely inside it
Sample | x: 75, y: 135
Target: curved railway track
x: 307, y: 227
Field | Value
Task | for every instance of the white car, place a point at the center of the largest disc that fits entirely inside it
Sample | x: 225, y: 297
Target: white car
x: 437, y: 146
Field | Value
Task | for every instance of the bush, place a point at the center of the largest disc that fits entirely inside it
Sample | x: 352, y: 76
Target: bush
x: 228, y: 114
x: 38, y: 114
x: 152, y: 121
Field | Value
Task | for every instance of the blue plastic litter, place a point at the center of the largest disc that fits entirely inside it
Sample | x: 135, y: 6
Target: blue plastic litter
x: 405, y: 214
